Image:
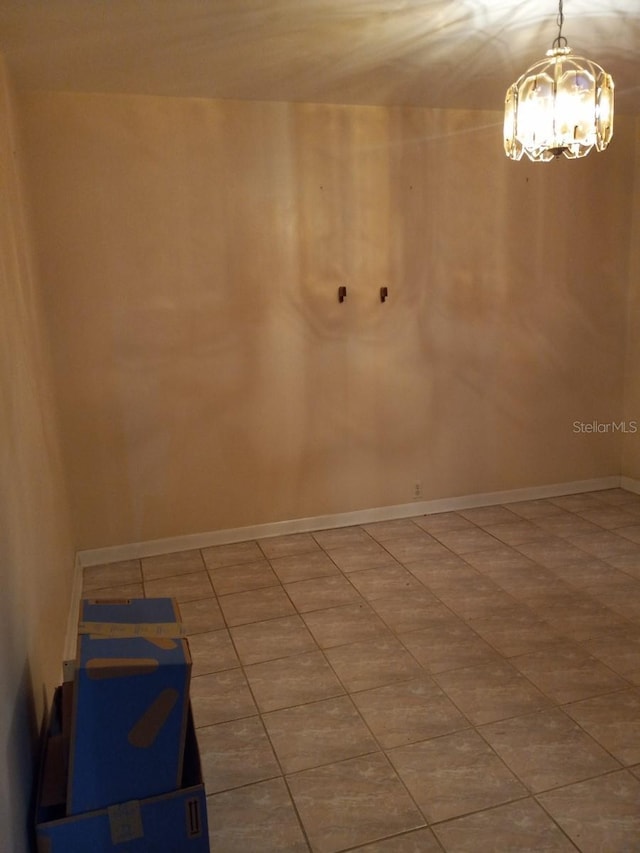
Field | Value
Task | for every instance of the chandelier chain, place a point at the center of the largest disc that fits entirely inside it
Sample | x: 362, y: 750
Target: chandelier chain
x: 560, y: 40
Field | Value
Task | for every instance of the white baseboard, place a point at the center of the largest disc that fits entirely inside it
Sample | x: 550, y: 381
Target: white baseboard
x: 69, y: 654
x: 192, y: 541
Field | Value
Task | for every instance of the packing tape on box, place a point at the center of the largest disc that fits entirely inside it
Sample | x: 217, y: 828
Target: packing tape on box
x: 125, y: 822
x: 121, y: 630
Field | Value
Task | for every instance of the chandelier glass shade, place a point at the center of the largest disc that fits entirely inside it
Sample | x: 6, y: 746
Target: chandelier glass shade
x: 561, y: 105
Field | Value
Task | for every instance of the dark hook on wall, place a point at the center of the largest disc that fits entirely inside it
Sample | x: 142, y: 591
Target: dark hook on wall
x: 342, y: 293
x: 384, y: 293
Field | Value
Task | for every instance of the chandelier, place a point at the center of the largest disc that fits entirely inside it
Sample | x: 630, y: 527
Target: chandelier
x: 561, y: 105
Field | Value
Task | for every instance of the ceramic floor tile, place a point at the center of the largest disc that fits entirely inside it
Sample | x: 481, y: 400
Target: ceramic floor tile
x: 466, y: 541
x: 633, y: 508
x: 547, y: 749
x: 634, y: 679
x: 292, y: 681
x: 354, y: 558
x: 448, y: 644
x: 463, y: 582
x: 340, y: 537
x: 318, y: 733
x: 526, y: 586
x: 630, y: 535
x: 612, y: 720
x: 441, y: 572
x: 535, y: 508
x: 418, y: 841
x: 286, y: 546
x: 186, y: 587
x: 374, y: 663
x: 516, y: 532
x: 127, y: 590
x: 617, y: 497
x: 257, y: 605
x: 622, y: 599
x: 166, y: 565
x: 298, y: 567
x: 619, y: 650
x: 500, y: 556
x: 383, y: 531
x: 484, y: 516
x: 579, y: 617
x: 578, y: 502
x: 350, y: 623
x: 600, y: 814
x: 258, y: 818
x: 385, y: 581
x: 111, y: 574
x: 589, y: 572
x: 411, y: 548
x: 558, y: 601
x: 551, y: 552
x: 410, y: 611
x: 515, y: 632
x: 520, y: 827
x: 243, y: 577
x: 221, y: 696
x: 319, y: 593
x: 441, y: 521
x: 610, y: 518
x: 605, y: 544
x: 275, y: 638
x: 352, y: 802
x: 629, y: 563
x: 482, y: 598
x: 212, y: 651
x: 453, y: 775
x: 566, y: 673
x: 201, y: 615
x: 408, y: 712
x: 536, y: 585
x: 234, y: 754
x: 567, y: 524
x: 491, y: 692
x: 218, y: 556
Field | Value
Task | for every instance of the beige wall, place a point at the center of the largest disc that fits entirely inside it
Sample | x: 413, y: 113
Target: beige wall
x: 208, y: 378
x: 36, y: 551
x: 631, y: 441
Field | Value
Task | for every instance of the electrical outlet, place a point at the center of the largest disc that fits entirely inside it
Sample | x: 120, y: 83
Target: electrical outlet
x: 417, y: 490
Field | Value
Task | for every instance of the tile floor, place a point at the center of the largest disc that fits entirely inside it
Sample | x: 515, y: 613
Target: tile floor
x: 467, y: 681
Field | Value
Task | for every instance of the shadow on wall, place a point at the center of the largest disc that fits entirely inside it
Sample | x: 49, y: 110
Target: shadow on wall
x: 17, y: 794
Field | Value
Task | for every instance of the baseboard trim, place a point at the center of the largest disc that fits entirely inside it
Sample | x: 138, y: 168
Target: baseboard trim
x: 193, y: 541
x: 70, y: 640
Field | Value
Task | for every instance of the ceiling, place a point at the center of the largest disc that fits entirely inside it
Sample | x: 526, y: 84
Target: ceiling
x: 434, y: 53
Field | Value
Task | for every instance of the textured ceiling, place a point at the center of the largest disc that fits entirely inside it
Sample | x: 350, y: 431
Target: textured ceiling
x: 436, y: 53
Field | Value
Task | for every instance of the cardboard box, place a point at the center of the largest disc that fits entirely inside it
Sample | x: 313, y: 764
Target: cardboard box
x: 175, y: 822
x: 131, y: 689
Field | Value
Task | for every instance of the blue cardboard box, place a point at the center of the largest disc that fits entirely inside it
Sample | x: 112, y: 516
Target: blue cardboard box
x: 130, y: 703
x: 175, y: 822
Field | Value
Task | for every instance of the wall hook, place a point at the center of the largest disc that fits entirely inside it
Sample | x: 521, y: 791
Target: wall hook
x: 384, y: 293
x: 342, y: 293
